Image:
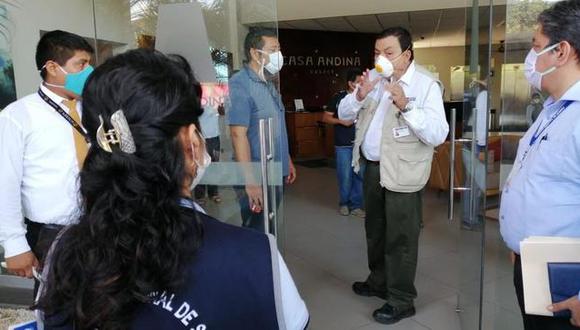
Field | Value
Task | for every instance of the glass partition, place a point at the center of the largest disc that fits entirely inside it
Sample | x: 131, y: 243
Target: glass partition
x: 519, y: 106
x: 210, y: 34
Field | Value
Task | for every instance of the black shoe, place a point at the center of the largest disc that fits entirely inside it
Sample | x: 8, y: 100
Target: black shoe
x: 364, y: 289
x: 389, y: 314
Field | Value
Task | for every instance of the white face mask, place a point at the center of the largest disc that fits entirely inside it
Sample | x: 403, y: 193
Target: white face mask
x: 200, y: 167
x: 276, y: 62
x: 384, y: 66
x: 534, y: 77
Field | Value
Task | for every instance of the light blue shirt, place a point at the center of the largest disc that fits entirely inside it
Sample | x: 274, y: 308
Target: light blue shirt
x: 542, y: 194
x: 209, y: 122
x: 253, y: 99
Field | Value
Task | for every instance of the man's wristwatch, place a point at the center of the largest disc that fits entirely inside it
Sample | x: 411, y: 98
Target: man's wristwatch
x: 410, y: 105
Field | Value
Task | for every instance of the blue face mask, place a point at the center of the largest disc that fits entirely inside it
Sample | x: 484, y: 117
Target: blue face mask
x: 75, y: 82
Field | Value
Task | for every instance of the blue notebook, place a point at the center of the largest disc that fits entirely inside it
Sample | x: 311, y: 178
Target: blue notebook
x: 30, y: 325
x: 564, y: 283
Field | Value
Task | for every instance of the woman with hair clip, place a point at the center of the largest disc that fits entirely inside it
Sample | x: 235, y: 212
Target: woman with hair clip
x: 141, y: 256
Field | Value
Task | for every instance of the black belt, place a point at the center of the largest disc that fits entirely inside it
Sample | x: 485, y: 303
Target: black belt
x: 372, y: 161
x: 39, y: 225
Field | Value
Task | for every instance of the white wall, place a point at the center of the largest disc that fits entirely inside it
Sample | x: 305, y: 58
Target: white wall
x: 443, y: 58
x: 31, y: 16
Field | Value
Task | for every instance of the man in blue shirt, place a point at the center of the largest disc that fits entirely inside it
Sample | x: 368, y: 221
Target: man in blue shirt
x: 541, y: 196
x: 254, y: 96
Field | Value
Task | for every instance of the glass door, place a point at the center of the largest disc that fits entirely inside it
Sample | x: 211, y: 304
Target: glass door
x: 210, y: 35
x: 517, y: 106
x: 498, y: 107
x: 469, y: 146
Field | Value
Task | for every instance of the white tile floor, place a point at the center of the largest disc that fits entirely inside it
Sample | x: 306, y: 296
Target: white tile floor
x: 326, y: 253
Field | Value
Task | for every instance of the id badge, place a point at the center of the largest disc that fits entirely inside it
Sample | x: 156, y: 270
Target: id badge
x: 401, y: 131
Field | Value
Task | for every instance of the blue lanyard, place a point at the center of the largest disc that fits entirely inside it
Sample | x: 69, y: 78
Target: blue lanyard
x: 539, y: 132
x: 187, y: 203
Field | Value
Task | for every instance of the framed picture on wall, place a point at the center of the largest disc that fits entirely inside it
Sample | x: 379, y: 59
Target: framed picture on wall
x: 7, y: 82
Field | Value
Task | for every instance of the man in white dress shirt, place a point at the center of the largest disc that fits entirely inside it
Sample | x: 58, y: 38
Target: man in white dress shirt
x: 42, y: 147
x: 400, y: 120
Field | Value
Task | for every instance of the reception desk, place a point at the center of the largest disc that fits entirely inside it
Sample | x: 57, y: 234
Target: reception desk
x: 305, y: 134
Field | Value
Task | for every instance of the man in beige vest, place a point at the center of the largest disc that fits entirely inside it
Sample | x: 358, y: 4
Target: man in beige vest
x: 400, y: 120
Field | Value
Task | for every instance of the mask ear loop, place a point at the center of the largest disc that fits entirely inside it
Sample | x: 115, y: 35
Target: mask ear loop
x: 193, y: 153
x: 202, y: 147
x: 392, y: 77
x: 262, y: 65
x: 49, y: 84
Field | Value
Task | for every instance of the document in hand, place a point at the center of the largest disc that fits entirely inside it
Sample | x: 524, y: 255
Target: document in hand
x: 551, y: 272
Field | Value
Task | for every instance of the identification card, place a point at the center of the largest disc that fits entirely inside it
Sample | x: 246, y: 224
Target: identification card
x: 401, y: 131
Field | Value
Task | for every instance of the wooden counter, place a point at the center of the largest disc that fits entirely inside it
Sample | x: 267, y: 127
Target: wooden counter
x: 305, y: 134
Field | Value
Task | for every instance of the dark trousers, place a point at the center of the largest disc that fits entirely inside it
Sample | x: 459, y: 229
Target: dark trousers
x: 535, y: 322
x: 213, y: 148
x: 40, y: 237
x: 256, y: 220
x: 392, y: 227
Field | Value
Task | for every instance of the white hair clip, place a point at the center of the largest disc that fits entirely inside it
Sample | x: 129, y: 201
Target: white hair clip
x: 120, y: 134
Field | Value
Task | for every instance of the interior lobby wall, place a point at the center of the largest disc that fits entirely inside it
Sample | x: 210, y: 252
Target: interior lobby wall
x: 316, y: 62
x: 316, y: 81
x: 442, y: 58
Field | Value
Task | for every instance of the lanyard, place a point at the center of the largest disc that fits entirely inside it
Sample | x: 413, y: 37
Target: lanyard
x: 539, y: 132
x: 63, y: 113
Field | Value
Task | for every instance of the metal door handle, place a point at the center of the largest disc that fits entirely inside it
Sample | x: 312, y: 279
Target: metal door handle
x: 272, y: 214
x: 472, y: 167
x: 450, y: 213
x: 452, y: 188
x: 264, y: 169
x: 270, y: 140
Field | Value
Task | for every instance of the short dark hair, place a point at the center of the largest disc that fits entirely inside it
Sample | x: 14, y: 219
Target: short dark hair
x: 254, y: 39
x: 352, y: 73
x: 403, y: 35
x: 59, y: 46
x: 561, y: 22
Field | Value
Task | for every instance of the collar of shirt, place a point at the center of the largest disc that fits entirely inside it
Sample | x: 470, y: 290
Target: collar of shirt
x: 52, y: 95
x: 572, y: 94
x: 408, y: 75
x: 253, y: 75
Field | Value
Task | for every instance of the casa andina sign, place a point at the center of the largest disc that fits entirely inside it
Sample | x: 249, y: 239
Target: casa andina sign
x: 321, y: 61
x: 322, y: 64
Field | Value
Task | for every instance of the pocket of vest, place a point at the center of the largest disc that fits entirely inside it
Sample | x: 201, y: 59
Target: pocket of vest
x: 413, y: 169
x: 411, y: 138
